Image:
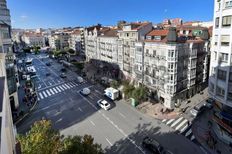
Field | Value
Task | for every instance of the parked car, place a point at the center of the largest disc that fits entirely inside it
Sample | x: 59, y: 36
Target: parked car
x: 63, y: 70
x: 48, y: 74
x: 80, y: 79
x: 152, y: 145
x: 48, y: 64
x: 103, y: 104
x: 209, y: 103
x: 63, y: 75
x: 198, y: 109
x: 85, y: 91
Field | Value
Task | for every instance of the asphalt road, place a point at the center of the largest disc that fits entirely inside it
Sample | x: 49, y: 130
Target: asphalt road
x: 119, y: 130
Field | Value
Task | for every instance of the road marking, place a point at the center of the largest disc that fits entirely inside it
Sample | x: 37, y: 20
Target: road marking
x: 91, y: 97
x: 185, y: 127
x: 80, y: 109
x: 45, y: 95
x: 55, y: 90
x: 49, y: 83
x: 61, y: 88
x: 170, y: 121
x: 58, y: 89
x: 38, y: 99
x: 177, y: 121
x: 52, y: 91
x: 67, y: 86
x: 97, y: 91
x: 122, y: 115
x: 108, y: 119
x: 164, y: 120
x: 47, y: 86
x: 181, y: 124
x: 41, y: 96
x: 192, y: 138
x: 188, y: 133
x: 71, y: 83
x: 109, y: 142
x: 48, y: 93
x: 92, y: 122
x: 64, y: 87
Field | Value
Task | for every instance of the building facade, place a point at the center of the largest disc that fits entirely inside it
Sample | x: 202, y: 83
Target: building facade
x: 75, y: 41
x: 4, y: 12
x: 220, y: 80
x: 59, y: 41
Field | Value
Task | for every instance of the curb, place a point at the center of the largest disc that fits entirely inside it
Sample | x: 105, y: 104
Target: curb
x: 30, y: 110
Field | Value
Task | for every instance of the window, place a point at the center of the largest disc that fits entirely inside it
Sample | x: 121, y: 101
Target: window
x: 224, y: 57
x: 154, y: 52
x: 230, y: 78
x: 211, y: 87
x: 127, y: 34
x: 217, y: 22
x: 220, y: 91
x: 147, y: 51
x: 157, y: 37
x: 221, y: 74
x: 215, y: 55
x: 225, y: 40
x: 226, y: 21
x: 228, y: 4
x: 215, y: 39
x: 171, y: 53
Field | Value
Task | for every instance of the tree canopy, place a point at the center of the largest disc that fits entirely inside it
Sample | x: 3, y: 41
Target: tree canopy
x: 43, y: 139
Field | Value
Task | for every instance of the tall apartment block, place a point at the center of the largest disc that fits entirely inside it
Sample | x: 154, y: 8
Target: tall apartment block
x: 220, y: 80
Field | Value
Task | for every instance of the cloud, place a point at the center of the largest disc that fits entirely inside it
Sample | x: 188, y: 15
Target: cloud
x: 165, y: 10
x: 23, y: 18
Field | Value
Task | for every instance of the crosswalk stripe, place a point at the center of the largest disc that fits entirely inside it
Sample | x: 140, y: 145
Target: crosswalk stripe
x: 45, y: 95
x: 70, y: 85
x: 41, y: 96
x: 184, y: 128
x: 164, y: 120
x: 170, y: 121
x: 52, y: 91
x: 177, y: 121
x: 188, y: 133
x: 67, y: 86
x: 75, y: 83
x: 55, y: 90
x: 38, y: 99
x: 61, y: 88
x: 64, y: 87
x: 48, y: 93
x: 58, y: 89
x: 192, y: 138
x: 181, y: 124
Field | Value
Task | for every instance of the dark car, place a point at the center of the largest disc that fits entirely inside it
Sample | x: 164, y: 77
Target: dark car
x: 63, y: 75
x: 63, y: 70
x: 48, y: 64
x: 152, y: 145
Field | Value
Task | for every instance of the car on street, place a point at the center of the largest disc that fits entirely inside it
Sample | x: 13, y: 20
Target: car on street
x: 48, y: 64
x: 80, y: 79
x: 198, y: 109
x: 63, y: 70
x: 103, y: 104
x: 209, y: 103
x: 152, y: 145
x: 85, y: 91
x: 63, y: 75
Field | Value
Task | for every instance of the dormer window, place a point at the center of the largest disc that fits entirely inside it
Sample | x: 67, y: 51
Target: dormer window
x: 157, y: 38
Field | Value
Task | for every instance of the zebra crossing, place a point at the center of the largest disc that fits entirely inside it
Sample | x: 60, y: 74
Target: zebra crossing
x: 182, y: 126
x: 42, y: 94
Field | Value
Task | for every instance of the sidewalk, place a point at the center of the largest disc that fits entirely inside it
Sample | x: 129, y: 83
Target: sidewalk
x: 206, y: 137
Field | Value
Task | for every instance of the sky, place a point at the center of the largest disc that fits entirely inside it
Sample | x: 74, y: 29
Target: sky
x: 71, y: 13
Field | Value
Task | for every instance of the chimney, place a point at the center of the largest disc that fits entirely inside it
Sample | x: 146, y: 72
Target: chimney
x: 172, y: 35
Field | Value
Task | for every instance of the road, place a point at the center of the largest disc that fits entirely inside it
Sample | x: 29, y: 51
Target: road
x: 119, y: 130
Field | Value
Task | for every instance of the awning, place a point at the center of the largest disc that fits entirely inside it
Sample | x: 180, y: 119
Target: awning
x: 221, y: 123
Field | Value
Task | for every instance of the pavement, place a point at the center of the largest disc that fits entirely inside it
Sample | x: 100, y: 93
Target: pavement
x: 119, y: 130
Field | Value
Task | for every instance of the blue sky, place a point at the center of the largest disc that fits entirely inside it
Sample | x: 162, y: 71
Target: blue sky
x: 63, y: 13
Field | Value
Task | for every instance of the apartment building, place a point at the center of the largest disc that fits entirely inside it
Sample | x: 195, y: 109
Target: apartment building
x: 8, y: 130
x: 75, y: 41
x: 4, y: 13
x: 33, y: 39
x: 59, y: 41
x: 220, y: 80
x: 166, y: 63
x: 128, y: 36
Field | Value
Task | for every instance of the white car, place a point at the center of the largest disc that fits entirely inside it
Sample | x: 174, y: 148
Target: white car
x: 85, y: 91
x: 80, y: 79
x: 103, y: 104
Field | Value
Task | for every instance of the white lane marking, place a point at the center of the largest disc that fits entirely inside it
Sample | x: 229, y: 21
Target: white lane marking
x: 188, y: 133
x: 164, y: 120
x: 177, y: 121
x: 108, y: 119
x: 67, y: 86
x: 45, y: 95
x: 181, y: 124
x: 122, y: 115
x: 80, y: 109
x: 61, y: 88
x: 71, y: 83
x: 109, y: 142
x: 192, y: 138
x: 91, y: 97
x: 41, y: 96
x: 38, y: 99
x: 92, y: 122
x: 203, y: 150
x: 55, y: 90
x: 52, y: 91
x: 58, y: 89
x: 64, y: 87
x: 48, y: 93
x: 185, y: 127
x: 170, y: 121
x: 75, y: 84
